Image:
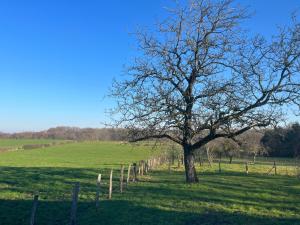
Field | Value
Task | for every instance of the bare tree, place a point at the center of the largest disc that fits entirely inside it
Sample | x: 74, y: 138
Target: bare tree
x: 200, y: 78
x: 250, y: 142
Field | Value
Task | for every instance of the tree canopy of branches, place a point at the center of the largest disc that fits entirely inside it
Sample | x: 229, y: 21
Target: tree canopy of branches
x: 283, y: 142
x: 222, y: 147
x: 250, y: 143
x: 199, y: 77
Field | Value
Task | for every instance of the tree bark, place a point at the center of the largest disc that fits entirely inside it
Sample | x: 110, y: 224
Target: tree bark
x: 189, y: 164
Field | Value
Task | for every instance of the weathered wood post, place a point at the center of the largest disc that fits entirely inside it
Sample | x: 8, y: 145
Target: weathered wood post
x: 139, y: 168
x: 200, y: 160
x: 142, y: 167
x: 254, y: 158
x: 246, y: 165
x: 121, y: 178
x: 74, y: 204
x: 128, y: 175
x: 146, y: 166
x: 208, y: 157
x: 110, y: 184
x: 33, y: 210
x: 134, y: 173
x: 178, y: 165
x: 169, y: 165
x: 98, y: 190
x: 219, y: 165
x: 275, y: 167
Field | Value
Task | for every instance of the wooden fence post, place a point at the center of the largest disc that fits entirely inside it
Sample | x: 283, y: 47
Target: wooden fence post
x: 34, y: 207
x: 139, y: 169
x: 134, y: 172
x: 169, y: 166
x: 275, y: 167
x: 142, y: 167
x: 74, y: 204
x: 128, y: 175
x: 98, y: 190
x: 146, y: 166
x: 110, y: 184
x: 200, y: 160
x: 209, y: 157
x: 246, y: 165
x: 121, y: 178
x: 219, y: 165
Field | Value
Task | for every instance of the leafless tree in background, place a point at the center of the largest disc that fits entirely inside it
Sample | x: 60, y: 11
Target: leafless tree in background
x: 200, y: 78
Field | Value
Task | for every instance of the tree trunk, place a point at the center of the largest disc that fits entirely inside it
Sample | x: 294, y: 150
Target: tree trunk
x: 230, y: 159
x: 189, y: 164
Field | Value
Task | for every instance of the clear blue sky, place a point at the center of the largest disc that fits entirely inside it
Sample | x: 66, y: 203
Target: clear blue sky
x: 58, y: 57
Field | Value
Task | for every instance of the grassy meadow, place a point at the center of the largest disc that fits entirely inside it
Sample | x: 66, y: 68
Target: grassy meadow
x: 160, y: 197
x: 17, y: 143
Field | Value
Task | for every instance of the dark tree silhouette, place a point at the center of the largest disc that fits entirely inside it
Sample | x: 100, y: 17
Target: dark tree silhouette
x: 199, y: 77
x: 283, y: 141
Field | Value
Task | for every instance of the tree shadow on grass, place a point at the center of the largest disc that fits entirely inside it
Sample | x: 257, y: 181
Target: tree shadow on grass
x: 51, y: 180
x: 229, y: 189
x: 148, y: 202
x: 123, y: 213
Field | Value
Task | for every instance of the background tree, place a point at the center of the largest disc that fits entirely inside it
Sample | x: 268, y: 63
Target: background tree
x: 199, y: 78
x: 282, y: 141
x: 222, y: 147
x: 250, y: 143
x: 231, y: 149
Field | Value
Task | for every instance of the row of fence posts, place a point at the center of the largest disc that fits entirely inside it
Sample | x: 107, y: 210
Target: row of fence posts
x: 274, y: 167
x: 171, y: 159
x: 134, y: 170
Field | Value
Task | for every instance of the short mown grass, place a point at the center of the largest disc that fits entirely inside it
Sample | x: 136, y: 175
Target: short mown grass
x: 160, y: 197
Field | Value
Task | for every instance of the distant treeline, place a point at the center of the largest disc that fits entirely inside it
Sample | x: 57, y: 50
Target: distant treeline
x: 72, y: 133
x: 278, y: 142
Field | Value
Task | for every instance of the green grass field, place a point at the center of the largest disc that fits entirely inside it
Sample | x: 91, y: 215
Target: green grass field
x: 160, y: 197
x: 15, y: 143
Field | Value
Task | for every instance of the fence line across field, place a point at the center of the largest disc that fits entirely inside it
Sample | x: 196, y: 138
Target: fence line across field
x: 136, y: 171
x: 143, y: 166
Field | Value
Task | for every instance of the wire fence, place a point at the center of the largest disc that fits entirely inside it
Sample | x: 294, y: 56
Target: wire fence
x: 81, y: 197
x: 106, y: 185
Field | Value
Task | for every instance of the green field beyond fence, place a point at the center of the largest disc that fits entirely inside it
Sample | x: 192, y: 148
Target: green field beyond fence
x: 25, y: 144
x: 226, y: 194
